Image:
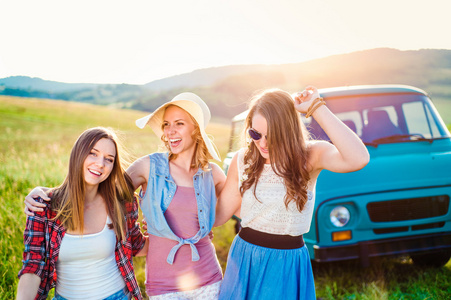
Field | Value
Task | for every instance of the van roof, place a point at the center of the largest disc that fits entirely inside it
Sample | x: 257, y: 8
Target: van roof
x: 369, y: 90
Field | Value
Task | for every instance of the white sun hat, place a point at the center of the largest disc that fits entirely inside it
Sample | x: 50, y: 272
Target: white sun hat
x: 193, y: 105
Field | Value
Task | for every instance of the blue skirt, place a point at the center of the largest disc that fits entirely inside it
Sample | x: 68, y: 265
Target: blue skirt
x: 255, y: 272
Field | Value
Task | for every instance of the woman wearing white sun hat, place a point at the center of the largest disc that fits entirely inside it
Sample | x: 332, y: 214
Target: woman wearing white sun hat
x: 178, y: 200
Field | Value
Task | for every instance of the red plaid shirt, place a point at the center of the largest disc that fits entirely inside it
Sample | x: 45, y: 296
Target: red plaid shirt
x: 42, y: 239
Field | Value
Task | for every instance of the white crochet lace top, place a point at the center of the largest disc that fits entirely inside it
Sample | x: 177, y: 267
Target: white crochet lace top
x: 269, y: 213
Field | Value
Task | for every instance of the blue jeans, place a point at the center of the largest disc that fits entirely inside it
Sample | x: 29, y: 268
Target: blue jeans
x: 120, y: 295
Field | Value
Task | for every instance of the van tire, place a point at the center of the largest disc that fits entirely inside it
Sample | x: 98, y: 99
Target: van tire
x: 433, y: 259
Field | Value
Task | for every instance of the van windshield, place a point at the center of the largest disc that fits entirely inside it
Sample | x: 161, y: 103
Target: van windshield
x: 386, y: 118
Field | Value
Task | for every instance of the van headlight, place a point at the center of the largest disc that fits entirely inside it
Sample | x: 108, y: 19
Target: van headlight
x: 339, y: 216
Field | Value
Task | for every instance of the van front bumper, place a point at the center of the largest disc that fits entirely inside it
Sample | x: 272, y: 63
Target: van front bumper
x: 363, y: 251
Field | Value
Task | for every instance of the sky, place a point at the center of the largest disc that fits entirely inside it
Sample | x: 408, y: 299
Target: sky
x: 138, y: 41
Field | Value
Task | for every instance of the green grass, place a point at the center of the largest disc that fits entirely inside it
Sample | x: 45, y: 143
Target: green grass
x: 443, y: 105
x: 35, y: 141
x: 386, y: 278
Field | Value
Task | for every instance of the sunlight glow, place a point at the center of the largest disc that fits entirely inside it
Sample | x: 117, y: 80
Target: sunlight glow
x: 188, y: 282
x: 140, y: 41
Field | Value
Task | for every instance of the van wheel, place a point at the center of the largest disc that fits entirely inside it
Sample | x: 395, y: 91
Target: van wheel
x: 434, y: 259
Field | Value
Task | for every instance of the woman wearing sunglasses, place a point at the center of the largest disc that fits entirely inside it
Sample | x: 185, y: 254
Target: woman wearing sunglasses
x: 273, y: 179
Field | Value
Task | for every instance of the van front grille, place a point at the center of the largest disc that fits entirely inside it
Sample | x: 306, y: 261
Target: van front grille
x: 408, y: 209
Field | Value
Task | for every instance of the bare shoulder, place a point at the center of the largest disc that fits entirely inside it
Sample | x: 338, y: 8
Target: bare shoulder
x: 233, y: 168
x: 218, y: 173
x: 215, y: 168
x: 139, y: 170
x: 139, y: 165
x: 235, y: 158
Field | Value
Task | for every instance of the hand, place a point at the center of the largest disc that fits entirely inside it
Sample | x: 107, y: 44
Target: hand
x: 211, y: 235
x: 304, y: 99
x: 144, y: 227
x: 31, y: 204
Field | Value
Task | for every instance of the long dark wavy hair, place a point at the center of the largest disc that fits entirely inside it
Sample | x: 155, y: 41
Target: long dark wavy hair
x: 286, y: 138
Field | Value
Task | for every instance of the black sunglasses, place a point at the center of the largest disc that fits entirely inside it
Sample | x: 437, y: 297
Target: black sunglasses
x: 255, y: 135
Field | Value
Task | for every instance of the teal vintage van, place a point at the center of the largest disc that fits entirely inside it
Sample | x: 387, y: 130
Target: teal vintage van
x: 399, y: 204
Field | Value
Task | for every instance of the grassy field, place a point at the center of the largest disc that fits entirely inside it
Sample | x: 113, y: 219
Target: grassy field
x: 35, y: 141
x: 443, y: 105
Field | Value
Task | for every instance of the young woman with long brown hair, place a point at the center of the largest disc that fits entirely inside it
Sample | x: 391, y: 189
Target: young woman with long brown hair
x: 273, y: 180
x: 83, y: 242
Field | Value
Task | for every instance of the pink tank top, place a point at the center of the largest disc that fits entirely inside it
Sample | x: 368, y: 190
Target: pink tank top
x: 184, y: 274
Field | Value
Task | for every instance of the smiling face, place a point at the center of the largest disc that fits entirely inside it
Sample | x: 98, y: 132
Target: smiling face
x: 100, y: 162
x: 178, y: 128
x: 261, y: 126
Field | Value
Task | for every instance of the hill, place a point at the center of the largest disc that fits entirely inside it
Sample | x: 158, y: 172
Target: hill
x: 103, y: 94
x: 226, y: 89
x: 34, y: 83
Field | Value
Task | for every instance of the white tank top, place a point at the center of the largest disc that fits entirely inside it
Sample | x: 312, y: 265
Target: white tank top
x: 86, y: 266
x: 269, y: 213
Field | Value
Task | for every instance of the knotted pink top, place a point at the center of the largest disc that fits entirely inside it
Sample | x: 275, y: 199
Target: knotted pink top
x: 184, y: 274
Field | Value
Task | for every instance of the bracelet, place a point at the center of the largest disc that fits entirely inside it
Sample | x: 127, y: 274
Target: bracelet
x: 310, y: 112
x: 312, y: 107
x: 314, y: 102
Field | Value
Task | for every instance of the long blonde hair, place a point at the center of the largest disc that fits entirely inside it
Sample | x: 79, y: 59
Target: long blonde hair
x: 68, y: 199
x: 201, y: 154
x: 286, y: 138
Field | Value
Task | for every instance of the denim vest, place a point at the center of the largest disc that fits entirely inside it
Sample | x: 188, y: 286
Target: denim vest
x: 159, y: 193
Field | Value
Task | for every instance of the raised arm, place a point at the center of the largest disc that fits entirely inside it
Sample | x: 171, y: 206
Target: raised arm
x: 230, y: 198
x: 347, y: 153
x: 138, y: 172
